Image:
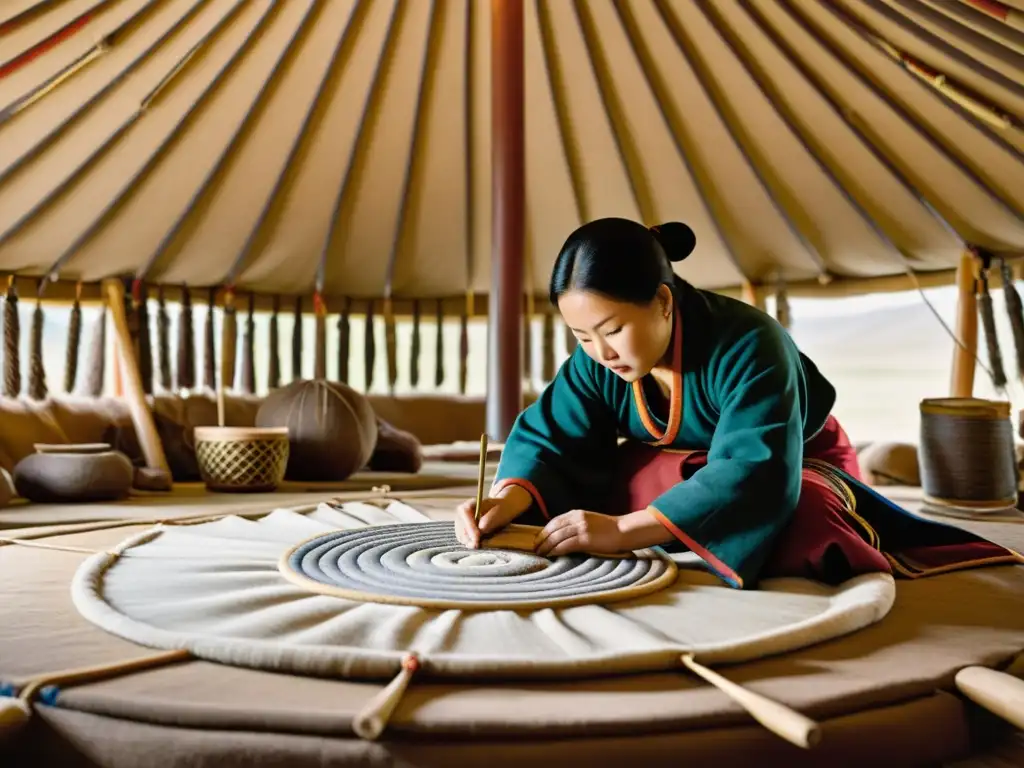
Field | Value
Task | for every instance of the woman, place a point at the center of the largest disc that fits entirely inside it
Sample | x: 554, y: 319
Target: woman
x: 730, y: 447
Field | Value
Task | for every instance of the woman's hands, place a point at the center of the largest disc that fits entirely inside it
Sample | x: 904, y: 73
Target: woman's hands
x: 580, y: 531
x: 495, y: 514
x: 576, y: 531
x: 597, y: 534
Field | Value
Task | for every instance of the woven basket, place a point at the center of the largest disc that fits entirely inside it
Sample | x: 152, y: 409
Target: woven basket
x: 242, y: 459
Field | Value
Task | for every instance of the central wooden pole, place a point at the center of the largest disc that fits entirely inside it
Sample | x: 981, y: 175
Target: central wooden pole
x: 505, y: 359
x: 965, y: 358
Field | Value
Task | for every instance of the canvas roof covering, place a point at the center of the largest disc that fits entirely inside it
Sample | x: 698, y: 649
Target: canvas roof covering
x: 346, y: 144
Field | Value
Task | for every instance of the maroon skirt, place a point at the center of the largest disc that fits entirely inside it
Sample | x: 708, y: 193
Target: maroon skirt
x: 840, y: 528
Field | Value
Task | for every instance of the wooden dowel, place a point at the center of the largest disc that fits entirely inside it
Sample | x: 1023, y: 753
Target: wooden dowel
x: 142, y: 419
x: 780, y: 720
x: 965, y: 357
x: 999, y: 693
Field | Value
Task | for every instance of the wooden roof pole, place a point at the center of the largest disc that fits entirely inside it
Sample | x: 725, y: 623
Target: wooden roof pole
x: 965, y: 357
x: 504, y: 347
x: 142, y: 418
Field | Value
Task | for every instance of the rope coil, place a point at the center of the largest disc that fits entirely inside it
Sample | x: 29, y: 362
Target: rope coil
x: 967, y: 457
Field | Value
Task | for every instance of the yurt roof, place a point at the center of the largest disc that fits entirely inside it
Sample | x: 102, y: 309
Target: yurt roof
x: 346, y: 144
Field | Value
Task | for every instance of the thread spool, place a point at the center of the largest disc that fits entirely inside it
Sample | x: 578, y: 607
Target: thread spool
x: 967, y: 456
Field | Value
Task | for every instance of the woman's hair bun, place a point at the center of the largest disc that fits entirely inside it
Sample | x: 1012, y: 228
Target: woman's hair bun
x: 676, y: 239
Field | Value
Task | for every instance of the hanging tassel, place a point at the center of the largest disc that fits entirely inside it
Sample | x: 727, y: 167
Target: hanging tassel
x: 274, y: 374
x: 320, y: 353
x: 186, y: 343
x: 548, y: 348
x: 782, y: 313
x: 36, y: 373
x: 988, y: 321
x: 74, y: 342
x: 12, y: 342
x: 163, y: 340
x: 467, y: 311
x: 370, y: 723
x: 229, y: 347
x: 414, y: 353
x: 98, y: 356
x: 140, y: 303
x: 297, y: 341
x: 528, y: 343
x: 370, y: 348
x: 439, y: 347
x: 249, y: 350
x: 390, y: 345
x: 210, y: 343
x: 1016, y: 312
x: 344, y: 337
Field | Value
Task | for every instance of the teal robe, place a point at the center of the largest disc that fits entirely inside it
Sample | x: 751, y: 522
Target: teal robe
x: 742, y: 391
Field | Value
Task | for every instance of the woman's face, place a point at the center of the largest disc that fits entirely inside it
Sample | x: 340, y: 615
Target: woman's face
x: 629, y: 339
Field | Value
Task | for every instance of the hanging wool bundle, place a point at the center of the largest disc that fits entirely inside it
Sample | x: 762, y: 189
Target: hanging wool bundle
x: 439, y: 347
x: 229, y: 341
x: 140, y: 300
x: 297, y: 341
x: 390, y: 345
x: 274, y: 374
x: 548, y: 351
x: 369, y: 349
x: 988, y: 322
x: 1016, y: 312
x: 74, y: 341
x: 414, y: 352
x: 12, y: 342
x: 464, y: 350
x: 526, y: 345
x: 782, y: 312
x: 36, y: 373
x: 249, y: 350
x: 186, y: 343
x: 344, y: 334
x: 163, y: 340
x: 320, y: 328
x: 209, y: 343
x: 97, y: 355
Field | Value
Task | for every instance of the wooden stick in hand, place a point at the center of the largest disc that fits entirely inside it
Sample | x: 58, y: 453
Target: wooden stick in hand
x: 480, y: 477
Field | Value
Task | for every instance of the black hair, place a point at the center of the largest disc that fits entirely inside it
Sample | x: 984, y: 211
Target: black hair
x: 621, y: 259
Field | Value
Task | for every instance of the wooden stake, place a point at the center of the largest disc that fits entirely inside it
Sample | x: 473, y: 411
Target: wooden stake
x: 142, y: 419
x: 965, y: 357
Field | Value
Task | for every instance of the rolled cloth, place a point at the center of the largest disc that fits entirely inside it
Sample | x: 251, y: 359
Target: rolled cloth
x: 840, y: 528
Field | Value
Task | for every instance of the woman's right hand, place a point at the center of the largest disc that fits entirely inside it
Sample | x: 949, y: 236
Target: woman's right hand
x: 495, y: 514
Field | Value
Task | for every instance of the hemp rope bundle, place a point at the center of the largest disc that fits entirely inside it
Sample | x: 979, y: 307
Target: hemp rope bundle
x: 439, y: 346
x: 369, y: 348
x: 37, y: 389
x: 274, y: 367
x: 12, y: 341
x: 186, y: 372
x: 967, y: 453
x: 414, y: 349
x: 209, y: 343
x: 344, y: 335
x: 96, y: 372
x: 297, y: 341
x: 163, y: 341
x: 74, y: 341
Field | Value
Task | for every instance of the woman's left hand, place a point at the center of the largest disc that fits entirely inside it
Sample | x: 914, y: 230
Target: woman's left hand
x: 580, y: 531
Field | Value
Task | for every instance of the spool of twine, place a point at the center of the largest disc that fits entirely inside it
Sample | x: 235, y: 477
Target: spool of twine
x: 967, y: 457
